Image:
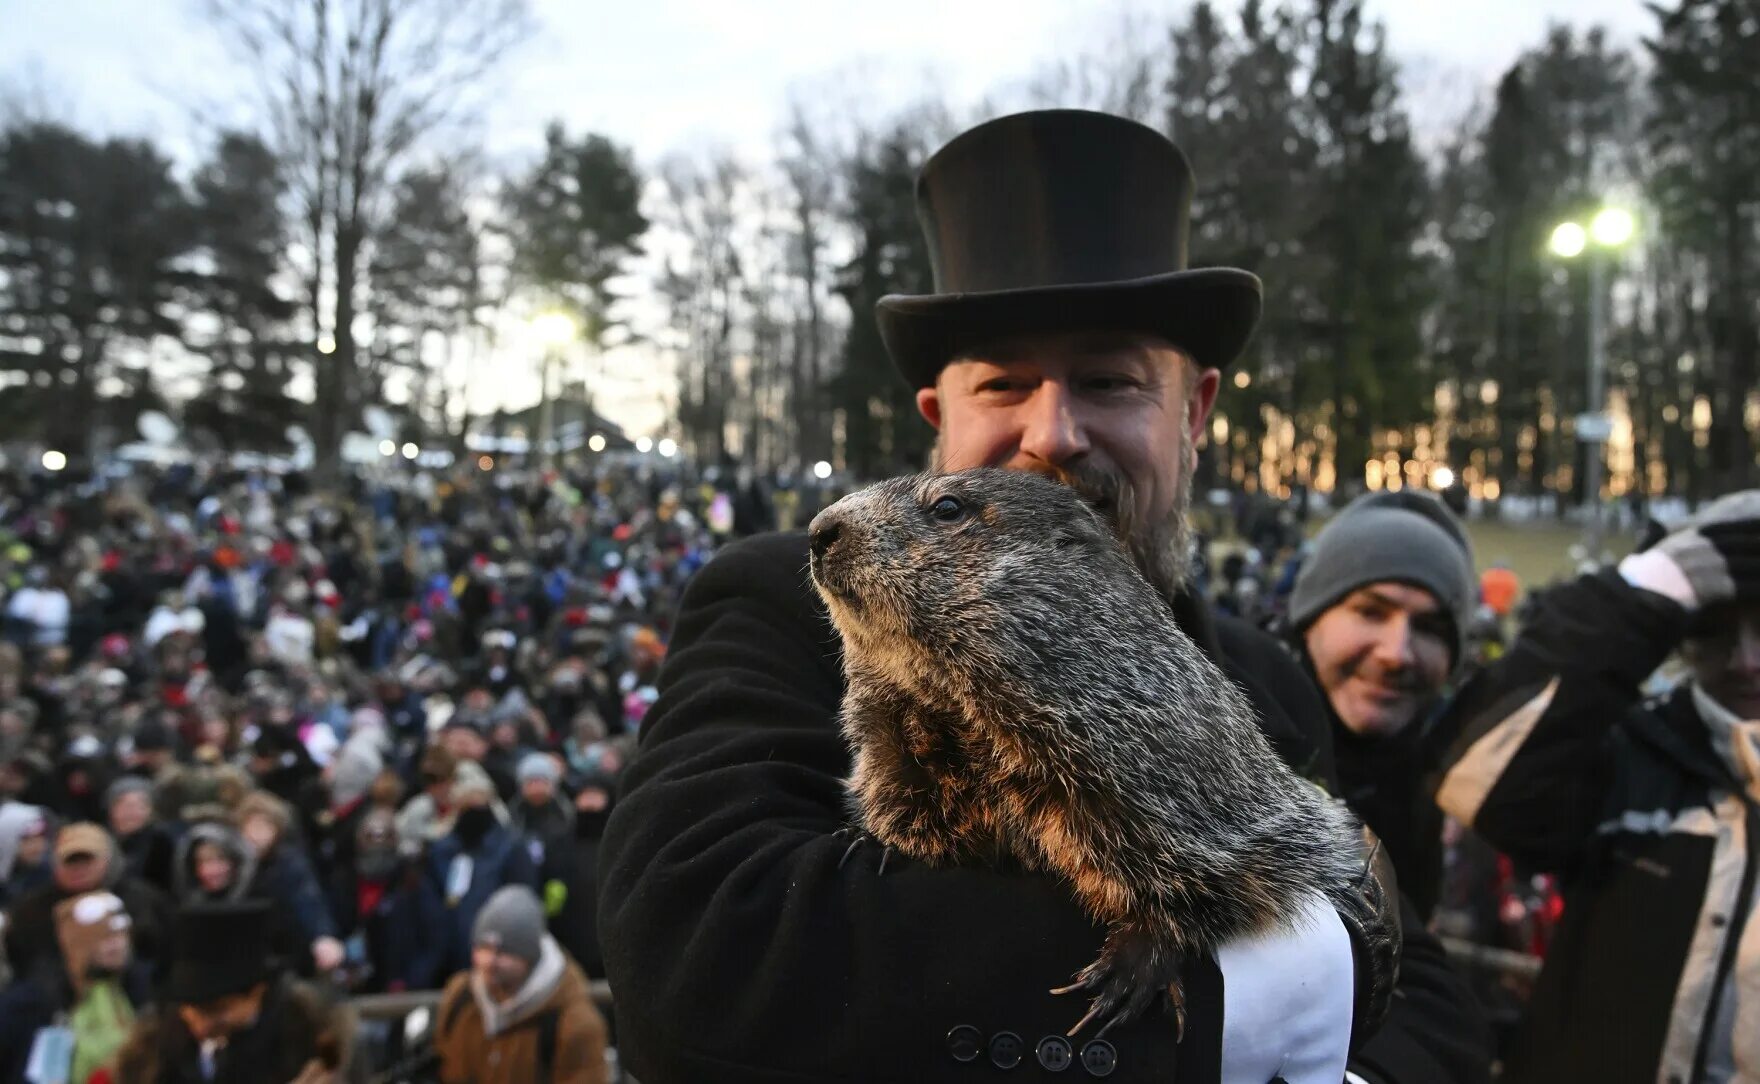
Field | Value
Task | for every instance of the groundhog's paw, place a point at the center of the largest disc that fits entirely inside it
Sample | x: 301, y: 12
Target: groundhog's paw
x: 1130, y: 975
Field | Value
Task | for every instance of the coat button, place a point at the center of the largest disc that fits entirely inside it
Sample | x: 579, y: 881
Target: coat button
x: 1005, y: 1050
x: 1054, y: 1053
x: 964, y: 1043
x: 1099, y: 1058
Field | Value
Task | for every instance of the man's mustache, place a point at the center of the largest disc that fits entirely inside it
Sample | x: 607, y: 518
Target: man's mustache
x: 1107, y: 492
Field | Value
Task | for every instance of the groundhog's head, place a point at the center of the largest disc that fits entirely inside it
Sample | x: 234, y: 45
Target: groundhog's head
x: 947, y: 560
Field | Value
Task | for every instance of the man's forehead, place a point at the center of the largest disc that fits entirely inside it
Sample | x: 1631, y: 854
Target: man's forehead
x: 1074, y: 347
x: 1404, y: 596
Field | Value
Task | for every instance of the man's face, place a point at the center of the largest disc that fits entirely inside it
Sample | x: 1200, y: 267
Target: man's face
x: 1382, y: 654
x: 502, y: 975
x: 129, y: 813
x: 261, y: 832
x: 111, y: 954
x: 1726, y: 661
x: 465, y: 743
x: 537, y: 792
x: 1116, y: 415
x: 225, y: 1016
x: 80, y: 872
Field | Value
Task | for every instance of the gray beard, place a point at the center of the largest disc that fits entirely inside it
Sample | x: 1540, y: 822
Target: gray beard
x: 1161, y: 550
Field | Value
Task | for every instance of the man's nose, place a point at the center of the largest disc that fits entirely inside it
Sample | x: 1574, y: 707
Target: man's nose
x: 1393, y: 645
x: 1052, y: 432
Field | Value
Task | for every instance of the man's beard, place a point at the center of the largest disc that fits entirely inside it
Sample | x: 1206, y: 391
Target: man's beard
x: 1162, y: 549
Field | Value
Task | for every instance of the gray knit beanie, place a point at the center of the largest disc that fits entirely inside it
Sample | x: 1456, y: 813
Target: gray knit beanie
x: 128, y: 784
x: 538, y: 766
x: 512, y: 922
x: 1406, y: 537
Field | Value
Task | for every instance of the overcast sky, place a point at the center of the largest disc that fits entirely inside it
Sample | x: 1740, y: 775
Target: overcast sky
x: 665, y: 75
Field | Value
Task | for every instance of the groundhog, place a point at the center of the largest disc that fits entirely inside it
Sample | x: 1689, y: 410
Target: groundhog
x: 1016, y: 687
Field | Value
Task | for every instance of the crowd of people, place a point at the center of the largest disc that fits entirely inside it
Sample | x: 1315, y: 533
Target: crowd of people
x: 495, y: 734
x: 364, y: 713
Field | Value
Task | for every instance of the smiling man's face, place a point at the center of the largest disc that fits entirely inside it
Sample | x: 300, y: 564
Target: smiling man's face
x: 1381, y: 654
x: 1116, y: 415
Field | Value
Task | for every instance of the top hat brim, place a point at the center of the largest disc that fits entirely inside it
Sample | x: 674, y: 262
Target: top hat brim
x: 1208, y: 314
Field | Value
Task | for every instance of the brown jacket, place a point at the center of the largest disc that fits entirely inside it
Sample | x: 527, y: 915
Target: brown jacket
x: 469, y: 1056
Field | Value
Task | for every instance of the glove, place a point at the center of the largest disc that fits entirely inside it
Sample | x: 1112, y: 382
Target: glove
x: 1286, y: 1003
x: 1701, y: 566
x: 1371, y: 917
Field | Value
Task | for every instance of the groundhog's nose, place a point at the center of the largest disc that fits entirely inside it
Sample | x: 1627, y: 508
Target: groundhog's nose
x: 823, y: 533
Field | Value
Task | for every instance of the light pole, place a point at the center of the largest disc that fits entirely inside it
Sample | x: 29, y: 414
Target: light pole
x: 1608, y: 231
x: 555, y: 330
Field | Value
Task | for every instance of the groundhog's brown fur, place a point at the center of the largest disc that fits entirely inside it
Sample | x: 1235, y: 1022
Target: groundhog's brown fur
x: 1015, y: 685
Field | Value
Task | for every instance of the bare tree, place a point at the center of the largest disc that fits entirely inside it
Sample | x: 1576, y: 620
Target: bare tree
x: 351, y: 90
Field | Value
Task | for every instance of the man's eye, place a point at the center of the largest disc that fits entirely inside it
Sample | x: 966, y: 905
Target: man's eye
x: 1109, y: 383
x: 948, y: 510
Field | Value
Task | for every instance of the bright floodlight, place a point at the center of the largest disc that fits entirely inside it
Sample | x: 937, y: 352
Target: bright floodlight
x: 1441, y: 478
x: 485, y: 462
x: 410, y: 451
x: 388, y: 447
x: 596, y: 442
x: 669, y: 447
x: 821, y: 470
x: 1569, y: 240
x: 54, y: 461
x: 326, y: 343
x: 644, y: 445
x: 1612, y: 227
x: 553, y: 328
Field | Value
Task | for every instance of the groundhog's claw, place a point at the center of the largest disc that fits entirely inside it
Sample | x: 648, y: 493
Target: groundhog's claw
x: 856, y: 838
x: 1129, y: 975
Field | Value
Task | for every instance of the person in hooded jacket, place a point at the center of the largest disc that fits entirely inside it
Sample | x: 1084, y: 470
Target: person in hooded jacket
x: 217, y: 865
x: 466, y: 867
x: 24, y: 850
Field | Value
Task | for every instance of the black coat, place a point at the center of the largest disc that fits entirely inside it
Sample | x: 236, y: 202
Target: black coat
x: 739, y: 950
x: 1388, y: 781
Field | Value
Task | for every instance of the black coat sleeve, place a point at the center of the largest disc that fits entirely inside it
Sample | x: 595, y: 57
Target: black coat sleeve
x: 740, y: 949
x: 1531, y: 768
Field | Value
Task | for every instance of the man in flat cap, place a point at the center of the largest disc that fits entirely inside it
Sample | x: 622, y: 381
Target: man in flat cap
x: 1067, y: 337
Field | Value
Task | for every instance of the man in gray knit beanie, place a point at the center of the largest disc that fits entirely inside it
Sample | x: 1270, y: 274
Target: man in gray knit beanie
x: 1382, y: 605
x: 1377, y: 615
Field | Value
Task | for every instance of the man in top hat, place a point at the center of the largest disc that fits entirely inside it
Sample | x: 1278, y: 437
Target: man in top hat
x: 1066, y: 337
x: 232, y: 1015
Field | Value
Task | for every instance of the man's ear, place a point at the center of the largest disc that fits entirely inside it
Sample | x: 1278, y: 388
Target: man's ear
x: 929, y: 406
x: 1201, y: 400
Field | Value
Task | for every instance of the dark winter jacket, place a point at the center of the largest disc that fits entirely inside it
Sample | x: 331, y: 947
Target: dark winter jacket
x: 1388, y: 781
x: 149, y: 855
x: 720, y: 872
x: 1562, y: 764
x: 499, y: 858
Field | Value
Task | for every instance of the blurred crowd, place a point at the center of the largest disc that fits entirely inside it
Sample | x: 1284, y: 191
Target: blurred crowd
x: 366, y: 712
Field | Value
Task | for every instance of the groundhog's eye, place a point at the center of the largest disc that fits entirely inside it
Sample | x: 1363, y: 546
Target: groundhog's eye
x: 948, y: 510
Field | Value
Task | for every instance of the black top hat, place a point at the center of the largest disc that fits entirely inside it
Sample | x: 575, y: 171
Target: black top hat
x: 219, y: 949
x: 1062, y: 220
